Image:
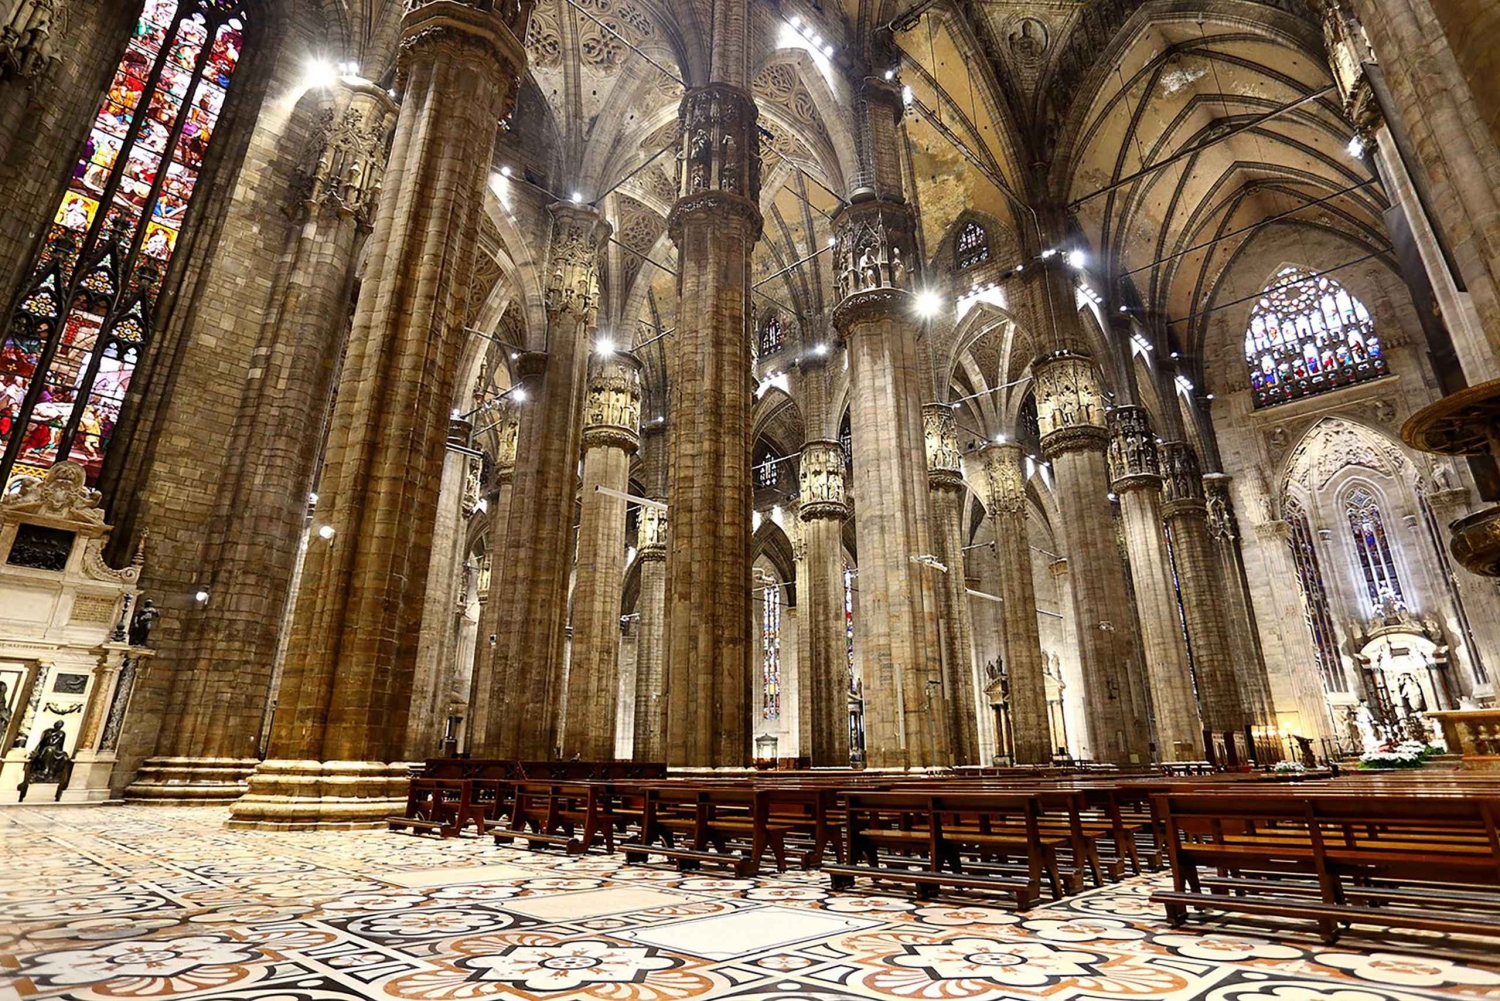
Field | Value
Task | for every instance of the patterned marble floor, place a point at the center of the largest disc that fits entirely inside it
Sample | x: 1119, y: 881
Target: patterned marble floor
x: 162, y: 903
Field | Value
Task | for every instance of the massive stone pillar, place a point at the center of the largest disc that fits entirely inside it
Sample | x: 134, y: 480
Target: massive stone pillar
x: 905, y: 703
x: 1070, y: 411
x: 1004, y: 478
x: 1135, y: 475
x: 220, y: 690
x: 529, y: 660
x: 346, y: 690
x: 611, y: 436
x: 1301, y: 703
x: 503, y: 421
x: 823, y: 509
x: 1244, y: 637
x: 715, y: 224
x: 651, y: 652
x: 1203, y: 598
x: 433, y: 676
x: 945, y: 480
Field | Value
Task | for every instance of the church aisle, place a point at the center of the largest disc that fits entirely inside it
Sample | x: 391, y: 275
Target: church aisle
x: 164, y: 903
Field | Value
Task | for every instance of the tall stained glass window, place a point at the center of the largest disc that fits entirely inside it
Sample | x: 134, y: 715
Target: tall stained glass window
x: 1315, y: 599
x: 849, y: 619
x: 772, y: 336
x: 1374, y: 549
x: 973, y: 246
x: 70, y: 350
x: 1308, y: 335
x: 771, y: 650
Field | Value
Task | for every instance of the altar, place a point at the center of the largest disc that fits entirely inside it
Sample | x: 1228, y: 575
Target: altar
x: 67, y: 664
x: 1404, y: 659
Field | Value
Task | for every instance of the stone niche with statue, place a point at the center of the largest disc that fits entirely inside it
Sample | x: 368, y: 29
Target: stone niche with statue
x: 1404, y: 658
x: 67, y: 663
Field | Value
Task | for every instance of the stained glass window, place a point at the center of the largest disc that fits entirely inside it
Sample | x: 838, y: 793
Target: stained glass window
x: 973, y: 245
x: 1315, y: 599
x: 772, y: 336
x: 771, y: 651
x: 1308, y: 335
x: 849, y: 619
x: 1374, y: 549
x: 73, y: 345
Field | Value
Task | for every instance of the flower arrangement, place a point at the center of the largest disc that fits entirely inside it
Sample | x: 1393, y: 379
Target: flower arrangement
x: 1292, y: 767
x: 1407, y: 754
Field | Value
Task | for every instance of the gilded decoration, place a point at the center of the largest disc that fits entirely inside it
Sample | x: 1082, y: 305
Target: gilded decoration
x: 944, y: 460
x: 1069, y: 403
x: 612, y: 408
x: 821, y: 487
x: 1134, y: 462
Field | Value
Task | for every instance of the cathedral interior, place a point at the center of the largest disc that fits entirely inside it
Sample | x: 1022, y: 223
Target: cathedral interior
x: 802, y: 425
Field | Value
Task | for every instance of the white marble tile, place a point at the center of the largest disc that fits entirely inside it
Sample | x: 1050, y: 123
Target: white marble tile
x: 725, y: 936
x: 425, y: 878
x: 593, y: 903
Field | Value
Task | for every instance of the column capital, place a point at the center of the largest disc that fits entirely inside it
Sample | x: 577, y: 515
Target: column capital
x: 350, y: 151
x: 1223, y: 525
x: 944, y: 461
x: 821, y: 489
x: 719, y: 162
x: 578, y: 234
x: 874, y: 246
x: 1069, y: 403
x: 612, y: 406
x: 1272, y: 531
x: 1004, y: 478
x: 1134, y: 462
x: 1058, y: 569
x: 488, y: 33
x: 1182, y: 479
x: 652, y: 539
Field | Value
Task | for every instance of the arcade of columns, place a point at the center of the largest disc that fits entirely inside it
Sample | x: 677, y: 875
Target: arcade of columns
x: 545, y: 681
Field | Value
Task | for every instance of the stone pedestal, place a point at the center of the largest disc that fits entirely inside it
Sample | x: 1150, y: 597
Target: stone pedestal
x: 320, y: 795
x: 1474, y: 733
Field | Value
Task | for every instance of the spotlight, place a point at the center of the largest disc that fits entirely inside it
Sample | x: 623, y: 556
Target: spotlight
x: 1076, y: 259
x: 312, y: 498
x: 319, y: 74
x: 201, y: 597
x: 1124, y: 309
x: 820, y: 350
x: 505, y: 171
x: 890, y: 74
x: 929, y: 304
x: 605, y: 346
x: 577, y: 198
x: 518, y: 394
x: 326, y: 533
x: 828, y: 51
x: 1356, y: 148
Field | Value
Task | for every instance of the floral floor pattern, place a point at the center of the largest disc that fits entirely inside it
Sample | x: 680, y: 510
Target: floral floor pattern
x: 162, y: 903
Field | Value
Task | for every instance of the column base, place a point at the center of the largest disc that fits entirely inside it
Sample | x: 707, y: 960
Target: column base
x: 90, y: 780
x: 320, y: 796
x: 191, y: 781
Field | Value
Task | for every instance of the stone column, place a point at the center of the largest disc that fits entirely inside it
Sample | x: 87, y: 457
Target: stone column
x: 715, y: 225
x: 529, y: 665
x: 1203, y: 603
x: 223, y: 665
x: 650, y: 655
x: 905, y: 712
x: 1070, y: 411
x: 1135, y: 475
x: 611, y: 436
x: 1244, y: 636
x: 1004, y: 480
x: 432, y: 679
x: 346, y: 691
x: 1297, y: 683
x: 504, y: 421
x: 824, y: 507
x: 945, y: 481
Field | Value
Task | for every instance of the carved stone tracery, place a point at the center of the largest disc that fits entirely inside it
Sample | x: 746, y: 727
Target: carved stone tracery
x: 718, y: 161
x: 822, y: 491
x: 944, y: 460
x: 1134, y: 462
x: 351, y: 162
x: 874, y: 246
x: 1182, y: 475
x: 612, y: 408
x: 1069, y: 403
x: 573, y: 281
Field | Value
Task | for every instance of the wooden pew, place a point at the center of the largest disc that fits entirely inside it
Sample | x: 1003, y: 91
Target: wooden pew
x: 734, y: 821
x: 936, y: 831
x: 1410, y: 859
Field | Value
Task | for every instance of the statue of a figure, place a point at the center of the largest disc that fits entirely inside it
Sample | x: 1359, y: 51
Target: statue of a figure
x: 5, y: 710
x: 1369, y: 737
x: 1412, y: 696
x: 143, y: 622
x: 47, y: 761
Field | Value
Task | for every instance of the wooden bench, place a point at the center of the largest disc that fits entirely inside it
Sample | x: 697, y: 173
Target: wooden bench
x: 913, y: 837
x: 683, y: 822
x: 1408, y: 860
